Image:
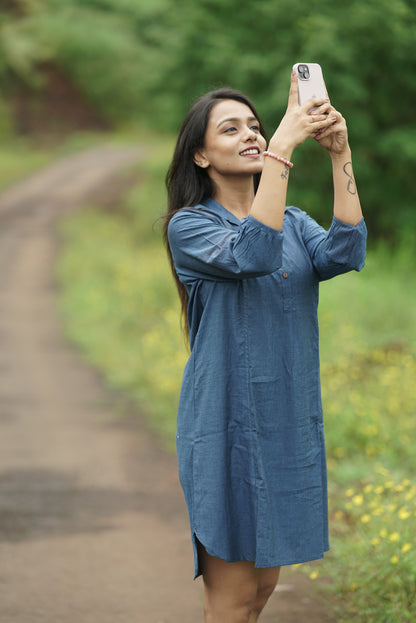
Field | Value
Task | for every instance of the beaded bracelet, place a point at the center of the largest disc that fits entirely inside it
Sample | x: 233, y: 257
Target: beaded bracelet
x: 279, y: 158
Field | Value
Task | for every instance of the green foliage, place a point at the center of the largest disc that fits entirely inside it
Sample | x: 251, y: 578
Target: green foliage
x: 18, y: 159
x: 147, y: 61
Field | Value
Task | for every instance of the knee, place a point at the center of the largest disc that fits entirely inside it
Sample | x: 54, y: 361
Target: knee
x: 235, y: 606
x: 264, y: 591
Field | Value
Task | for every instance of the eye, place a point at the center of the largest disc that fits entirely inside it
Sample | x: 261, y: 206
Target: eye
x: 255, y: 127
x: 230, y: 129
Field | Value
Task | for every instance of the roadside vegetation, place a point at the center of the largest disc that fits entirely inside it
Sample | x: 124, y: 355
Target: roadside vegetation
x: 17, y: 160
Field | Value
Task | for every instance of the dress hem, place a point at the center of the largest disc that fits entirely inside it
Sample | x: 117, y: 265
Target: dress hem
x: 282, y: 563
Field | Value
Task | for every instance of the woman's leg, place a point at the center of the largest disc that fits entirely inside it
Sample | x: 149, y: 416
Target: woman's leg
x: 230, y: 589
x: 267, y: 581
x: 234, y: 592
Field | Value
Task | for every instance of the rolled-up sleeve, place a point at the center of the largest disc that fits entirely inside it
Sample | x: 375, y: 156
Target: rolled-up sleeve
x: 340, y: 249
x: 205, y: 248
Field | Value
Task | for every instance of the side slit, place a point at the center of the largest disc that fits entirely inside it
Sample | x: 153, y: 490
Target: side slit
x: 197, y: 556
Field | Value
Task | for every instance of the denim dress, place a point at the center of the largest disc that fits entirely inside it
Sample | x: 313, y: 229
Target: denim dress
x: 250, y: 438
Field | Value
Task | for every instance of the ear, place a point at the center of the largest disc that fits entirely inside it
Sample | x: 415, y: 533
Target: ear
x: 200, y: 160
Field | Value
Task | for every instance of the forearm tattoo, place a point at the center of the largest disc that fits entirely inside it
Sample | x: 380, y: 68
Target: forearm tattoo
x: 351, y: 187
x: 284, y: 174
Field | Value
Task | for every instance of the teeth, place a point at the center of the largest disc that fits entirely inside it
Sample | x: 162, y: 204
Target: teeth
x: 250, y: 152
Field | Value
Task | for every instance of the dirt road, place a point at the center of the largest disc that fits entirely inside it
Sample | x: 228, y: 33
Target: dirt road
x: 93, y: 527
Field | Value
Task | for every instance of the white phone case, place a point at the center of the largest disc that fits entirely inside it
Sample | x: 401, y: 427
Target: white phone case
x: 313, y: 86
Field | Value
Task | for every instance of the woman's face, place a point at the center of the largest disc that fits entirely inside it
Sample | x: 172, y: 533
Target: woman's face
x: 233, y: 143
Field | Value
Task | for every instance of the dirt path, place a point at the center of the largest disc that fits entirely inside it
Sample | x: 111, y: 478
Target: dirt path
x: 93, y: 527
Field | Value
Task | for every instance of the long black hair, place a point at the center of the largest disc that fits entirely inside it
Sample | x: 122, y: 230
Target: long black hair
x: 188, y: 184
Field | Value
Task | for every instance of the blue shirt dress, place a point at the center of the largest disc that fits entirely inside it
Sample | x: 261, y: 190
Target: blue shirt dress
x: 250, y: 440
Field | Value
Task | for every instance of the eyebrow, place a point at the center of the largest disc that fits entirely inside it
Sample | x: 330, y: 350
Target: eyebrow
x: 235, y: 120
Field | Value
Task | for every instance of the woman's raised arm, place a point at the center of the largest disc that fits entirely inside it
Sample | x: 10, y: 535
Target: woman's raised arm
x: 296, y: 126
x: 347, y: 206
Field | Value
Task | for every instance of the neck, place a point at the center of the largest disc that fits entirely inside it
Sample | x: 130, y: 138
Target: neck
x: 235, y: 195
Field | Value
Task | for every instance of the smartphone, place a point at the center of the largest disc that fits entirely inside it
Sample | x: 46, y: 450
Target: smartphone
x: 310, y: 82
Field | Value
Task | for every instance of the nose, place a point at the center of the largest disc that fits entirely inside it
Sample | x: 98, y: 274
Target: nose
x: 250, y: 134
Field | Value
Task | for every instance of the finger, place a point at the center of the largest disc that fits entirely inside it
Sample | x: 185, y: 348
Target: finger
x: 324, y: 109
x: 317, y: 118
x: 337, y: 117
x: 293, y: 91
x: 318, y: 123
x: 313, y: 103
x: 338, y: 122
x: 327, y: 127
x: 323, y: 126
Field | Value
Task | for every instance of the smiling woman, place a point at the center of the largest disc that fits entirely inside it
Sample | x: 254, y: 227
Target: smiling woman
x: 250, y: 438
x: 233, y: 151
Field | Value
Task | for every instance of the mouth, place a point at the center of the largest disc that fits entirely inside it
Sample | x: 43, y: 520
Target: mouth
x: 250, y: 151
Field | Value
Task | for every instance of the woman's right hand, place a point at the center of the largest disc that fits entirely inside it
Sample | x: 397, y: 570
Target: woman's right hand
x: 297, y: 124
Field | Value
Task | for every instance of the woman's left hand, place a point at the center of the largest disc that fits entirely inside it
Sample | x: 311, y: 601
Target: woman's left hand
x: 334, y: 138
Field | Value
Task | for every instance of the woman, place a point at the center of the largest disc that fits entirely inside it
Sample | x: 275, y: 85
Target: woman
x: 250, y: 433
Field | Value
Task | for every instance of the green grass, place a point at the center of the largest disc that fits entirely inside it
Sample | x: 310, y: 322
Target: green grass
x: 121, y: 307
x: 18, y: 159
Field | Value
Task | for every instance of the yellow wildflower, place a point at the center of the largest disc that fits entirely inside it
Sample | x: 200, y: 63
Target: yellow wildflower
x: 349, y: 493
x: 383, y: 533
x: 395, y: 536
x: 394, y: 559
x: 371, y: 430
x: 314, y: 574
x: 358, y: 499
x: 406, y: 547
x: 403, y: 513
x: 366, y: 518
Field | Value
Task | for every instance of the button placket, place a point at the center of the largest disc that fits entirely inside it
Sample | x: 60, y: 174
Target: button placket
x: 287, y: 292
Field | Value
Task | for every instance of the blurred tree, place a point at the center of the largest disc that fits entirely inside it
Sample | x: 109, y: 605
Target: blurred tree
x: 148, y: 59
x: 367, y: 51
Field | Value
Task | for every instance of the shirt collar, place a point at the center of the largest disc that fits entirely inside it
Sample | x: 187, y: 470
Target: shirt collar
x: 213, y: 206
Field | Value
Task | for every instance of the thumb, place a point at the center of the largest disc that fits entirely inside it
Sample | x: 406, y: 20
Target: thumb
x: 293, y: 92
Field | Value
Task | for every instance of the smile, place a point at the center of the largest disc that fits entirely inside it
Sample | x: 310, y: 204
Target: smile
x: 251, y: 151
